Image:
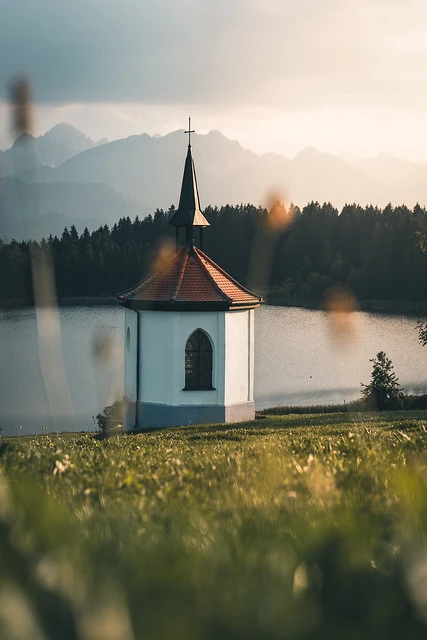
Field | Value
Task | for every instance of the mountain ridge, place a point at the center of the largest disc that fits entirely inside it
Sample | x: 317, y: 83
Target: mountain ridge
x: 31, y: 210
x: 147, y: 171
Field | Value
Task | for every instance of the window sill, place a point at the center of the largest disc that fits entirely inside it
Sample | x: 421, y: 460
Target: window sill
x: 199, y: 389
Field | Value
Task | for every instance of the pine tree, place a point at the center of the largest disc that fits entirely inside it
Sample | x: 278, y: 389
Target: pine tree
x: 383, y: 392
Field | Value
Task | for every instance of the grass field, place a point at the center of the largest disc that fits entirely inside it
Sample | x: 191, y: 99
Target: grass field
x: 297, y: 526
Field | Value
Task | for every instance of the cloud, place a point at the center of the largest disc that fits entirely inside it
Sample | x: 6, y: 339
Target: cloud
x: 290, y: 54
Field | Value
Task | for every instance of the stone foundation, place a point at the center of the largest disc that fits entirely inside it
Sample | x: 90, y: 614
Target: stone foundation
x: 155, y: 416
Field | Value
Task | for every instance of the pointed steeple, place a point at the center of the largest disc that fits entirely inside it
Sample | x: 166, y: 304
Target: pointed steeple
x: 189, y: 214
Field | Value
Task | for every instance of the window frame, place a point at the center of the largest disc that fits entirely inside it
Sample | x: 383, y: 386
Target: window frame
x: 200, y: 370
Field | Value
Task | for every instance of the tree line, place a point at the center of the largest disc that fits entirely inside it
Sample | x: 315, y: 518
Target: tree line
x: 291, y: 252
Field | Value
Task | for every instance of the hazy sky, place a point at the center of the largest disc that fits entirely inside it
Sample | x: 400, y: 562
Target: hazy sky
x: 279, y: 75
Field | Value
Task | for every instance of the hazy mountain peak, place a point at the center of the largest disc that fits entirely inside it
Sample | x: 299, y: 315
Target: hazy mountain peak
x: 135, y: 136
x: 60, y: 143
x: 220, y: 140
x: 22, y: 156
x: 309, y: 154
x: 66, y: 128
x: 173, y: 134
x: 214, y: 133
x: 23, y: 138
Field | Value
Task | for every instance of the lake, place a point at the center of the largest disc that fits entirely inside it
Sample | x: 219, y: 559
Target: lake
x: 59, y: 368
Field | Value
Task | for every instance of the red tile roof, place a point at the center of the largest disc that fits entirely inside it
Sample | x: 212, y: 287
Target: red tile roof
x: 190, y: 280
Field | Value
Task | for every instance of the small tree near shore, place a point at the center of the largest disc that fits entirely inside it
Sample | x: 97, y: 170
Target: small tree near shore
x: 383, y: 392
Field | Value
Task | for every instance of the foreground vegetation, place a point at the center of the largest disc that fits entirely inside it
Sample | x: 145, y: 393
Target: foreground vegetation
x: 298, y: 526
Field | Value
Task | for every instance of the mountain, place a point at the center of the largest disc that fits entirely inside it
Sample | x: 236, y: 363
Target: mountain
x: 326, y: 178
x: 388, y: 169
x: 61, y: 143
x: 149, y: 169
x: 144, y: 173
x: 5, y: 164
x: 22, y: 156
x: 51, y: 149
x: 408, y: 180
x: 36, y: 210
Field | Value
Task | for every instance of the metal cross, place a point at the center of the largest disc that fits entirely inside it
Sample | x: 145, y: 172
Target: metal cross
x: 189, y: 132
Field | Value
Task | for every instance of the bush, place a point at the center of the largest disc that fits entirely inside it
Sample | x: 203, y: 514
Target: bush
x: 346, y: 407
x: 415, y: 403
x: 111, y: 417
x: 383, y: 392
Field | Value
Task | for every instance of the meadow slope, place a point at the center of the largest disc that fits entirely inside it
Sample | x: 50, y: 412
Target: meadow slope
x: 308, y: 526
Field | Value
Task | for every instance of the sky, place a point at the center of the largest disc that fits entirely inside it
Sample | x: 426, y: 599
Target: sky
x: 277, y: 75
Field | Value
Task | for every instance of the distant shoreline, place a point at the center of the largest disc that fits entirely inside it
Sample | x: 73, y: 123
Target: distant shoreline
x: 78, y: 301
x: 412, y: 307
x: 376, y: 306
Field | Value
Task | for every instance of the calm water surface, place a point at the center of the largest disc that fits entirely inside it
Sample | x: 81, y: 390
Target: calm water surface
x: 58, y: 370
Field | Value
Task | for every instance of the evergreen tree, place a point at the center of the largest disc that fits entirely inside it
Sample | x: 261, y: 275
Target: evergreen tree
x: 376, y: 254
x: 383, y: 391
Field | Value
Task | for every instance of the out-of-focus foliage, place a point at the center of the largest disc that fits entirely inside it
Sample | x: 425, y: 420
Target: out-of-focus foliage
x: 410, y: 403
x: 295, y: 254
x: 111, y: 417
x: 383, y: 392
x: 296, y: 527
x: 422, y: 333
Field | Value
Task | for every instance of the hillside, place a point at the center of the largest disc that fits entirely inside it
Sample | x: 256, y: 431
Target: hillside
x: 296, y: 527
x: 36, y: 210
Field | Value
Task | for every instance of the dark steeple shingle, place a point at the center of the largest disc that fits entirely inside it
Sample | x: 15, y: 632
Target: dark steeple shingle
x: 189, y: 213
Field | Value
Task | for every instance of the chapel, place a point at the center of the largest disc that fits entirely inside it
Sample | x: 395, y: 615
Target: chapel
x: 189, y: 333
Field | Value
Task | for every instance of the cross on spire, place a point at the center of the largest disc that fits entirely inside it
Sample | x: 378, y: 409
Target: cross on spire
x: 189, y: 132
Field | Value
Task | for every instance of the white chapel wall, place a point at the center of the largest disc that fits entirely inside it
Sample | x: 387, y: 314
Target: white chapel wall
x: 251, y: 343
x: 155, y: 354
x: 239, y: 357
x: 130, y: 344
x: 163, y: 336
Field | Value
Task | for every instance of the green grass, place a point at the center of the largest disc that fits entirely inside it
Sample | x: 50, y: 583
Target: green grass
x: 296, y: 526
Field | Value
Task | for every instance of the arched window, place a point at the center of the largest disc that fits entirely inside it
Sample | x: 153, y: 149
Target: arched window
x: 198, y: 361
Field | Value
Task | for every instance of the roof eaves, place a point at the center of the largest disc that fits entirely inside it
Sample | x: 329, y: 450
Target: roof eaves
x: 245, y: 305
x: 168, y: 305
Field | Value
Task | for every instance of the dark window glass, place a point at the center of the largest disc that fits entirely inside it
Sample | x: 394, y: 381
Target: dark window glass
x: 198, y: 361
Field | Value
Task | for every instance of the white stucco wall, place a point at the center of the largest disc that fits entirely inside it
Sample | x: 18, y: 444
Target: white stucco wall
x: 251, y: 355
x: 239, y: 340
x: 162, y: 339
x: 163, y: 336
x: 130, y: 350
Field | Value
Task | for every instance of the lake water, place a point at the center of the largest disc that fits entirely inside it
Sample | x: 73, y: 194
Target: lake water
x: 58, y: 369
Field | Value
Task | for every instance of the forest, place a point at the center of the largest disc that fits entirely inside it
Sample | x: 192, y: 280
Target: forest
x: 296, y: 253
